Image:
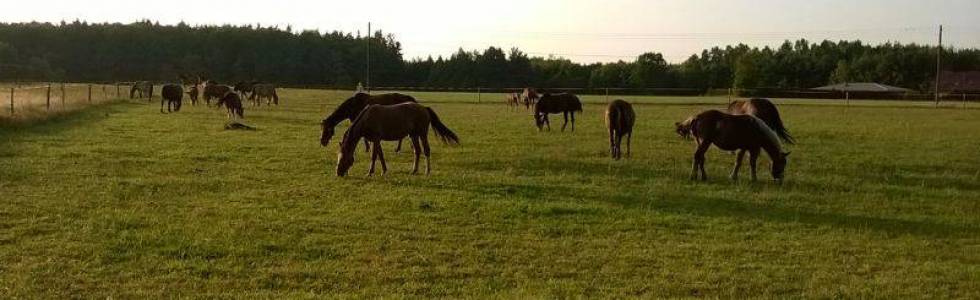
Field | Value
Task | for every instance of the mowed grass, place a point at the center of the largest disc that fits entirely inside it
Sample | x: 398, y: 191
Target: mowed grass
x: 881, y: 200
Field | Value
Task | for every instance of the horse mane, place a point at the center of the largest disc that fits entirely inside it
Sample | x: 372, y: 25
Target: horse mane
x: 344, y: 110
x: 769, y: 133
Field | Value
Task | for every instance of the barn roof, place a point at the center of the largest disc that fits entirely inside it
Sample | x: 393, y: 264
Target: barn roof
x: 960, y: 81
x: 862, y: 87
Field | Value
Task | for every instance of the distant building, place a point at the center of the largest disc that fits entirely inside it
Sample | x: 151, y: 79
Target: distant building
x: 863, y: 87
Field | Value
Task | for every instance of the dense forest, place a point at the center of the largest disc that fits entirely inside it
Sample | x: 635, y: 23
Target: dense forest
x: 84, y: 52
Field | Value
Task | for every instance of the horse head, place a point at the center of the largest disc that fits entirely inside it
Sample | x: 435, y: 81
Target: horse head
x: 327, y: 133
x: 779, y: 167
x: 682, y: 130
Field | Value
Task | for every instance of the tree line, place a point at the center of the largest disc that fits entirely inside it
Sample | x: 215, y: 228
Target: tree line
x: 104, y: 52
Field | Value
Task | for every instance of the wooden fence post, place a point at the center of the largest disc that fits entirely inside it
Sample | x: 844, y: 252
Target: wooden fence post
x: 11, y: 101
x: 63, y: 96
x: 90, y: 94
x: 479, y: 96
x: 105, y: 96
x: 607, y: 95
x: 48, y: 102
x: 117, y: 90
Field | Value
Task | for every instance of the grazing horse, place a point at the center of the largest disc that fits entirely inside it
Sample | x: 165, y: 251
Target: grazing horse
x: 233, y: 102
x: 378, y: 123
x: 213, y: 90
x: 350, y: 108
x: 619, y: 119
x: 245, y: 87
x: 266, y: 91
x: 530, y: 97
x: 193, y: 93
x: 172, y: 95
x: 554, y: 104
x: 765, y: 110
x: 513, y: 100
x: 144, y: 88
x: 730, y: 133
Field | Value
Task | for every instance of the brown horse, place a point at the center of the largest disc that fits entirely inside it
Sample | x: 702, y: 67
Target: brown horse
x: 765, y: 110
x: 730, y: 133
x: 245, y: 87
x: 171, y: 95
x: 350, y: 108
x: 233, y: 102
x: 213, y: 90
x: 554, y: 104
x: 530, y: 97
x: 193, y: 93
x: 392, y: 123
x: 619, y: 119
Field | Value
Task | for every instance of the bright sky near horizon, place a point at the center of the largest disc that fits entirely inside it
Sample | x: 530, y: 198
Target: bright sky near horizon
x: 584, y: 31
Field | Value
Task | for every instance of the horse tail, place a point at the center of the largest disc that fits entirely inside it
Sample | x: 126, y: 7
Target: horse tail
x: 442, y: 131
x: 779, y: 128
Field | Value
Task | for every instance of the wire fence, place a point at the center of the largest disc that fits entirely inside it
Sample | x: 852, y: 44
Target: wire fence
x: 482, y: 94
x: 26, y: 101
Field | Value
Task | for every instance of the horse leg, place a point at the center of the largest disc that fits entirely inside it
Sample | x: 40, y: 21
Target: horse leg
x: 738, y: 164
x: 428, y: 154
x: 381, y: 155
x: 699, y: 161
x: 418, y: 151
x: 374, y: 160
x: 573, y: 121
x: 399, y: 148
x: 753, y: 159
x: 619, y: 145
x: 564, y: 114
x: 546, y: 121
x: 162, y: 102
x: 367, y: 147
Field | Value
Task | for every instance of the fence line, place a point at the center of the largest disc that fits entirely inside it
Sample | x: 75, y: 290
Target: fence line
x: 37, y: 100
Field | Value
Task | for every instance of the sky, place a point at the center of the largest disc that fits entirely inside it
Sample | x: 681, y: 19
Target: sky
x: 583, y: 31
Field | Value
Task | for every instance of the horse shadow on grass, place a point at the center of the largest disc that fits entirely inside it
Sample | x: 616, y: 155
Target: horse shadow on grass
x: 686, y: 201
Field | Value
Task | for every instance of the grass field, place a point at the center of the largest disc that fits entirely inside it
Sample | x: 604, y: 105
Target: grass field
x: 882, y: 200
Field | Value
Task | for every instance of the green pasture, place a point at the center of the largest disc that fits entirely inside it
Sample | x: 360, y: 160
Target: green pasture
x: 881, y: 200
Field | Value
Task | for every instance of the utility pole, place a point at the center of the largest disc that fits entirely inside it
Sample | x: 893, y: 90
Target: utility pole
x: 367, y: 80
x: 939, y: 63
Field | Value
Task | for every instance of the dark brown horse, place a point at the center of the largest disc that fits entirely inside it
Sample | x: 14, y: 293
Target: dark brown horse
x: 245, y: 87
x: 619, y: 119
x: 555, y: 104
x: 530, y: 97
x: 233, y: 102
x: 213, y: 90
x: 765, y: 110
x: 350, y: 108
x: 172, y: 95
x: 193, y: 93
x: 730, y: 133
x: 378, y: 123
